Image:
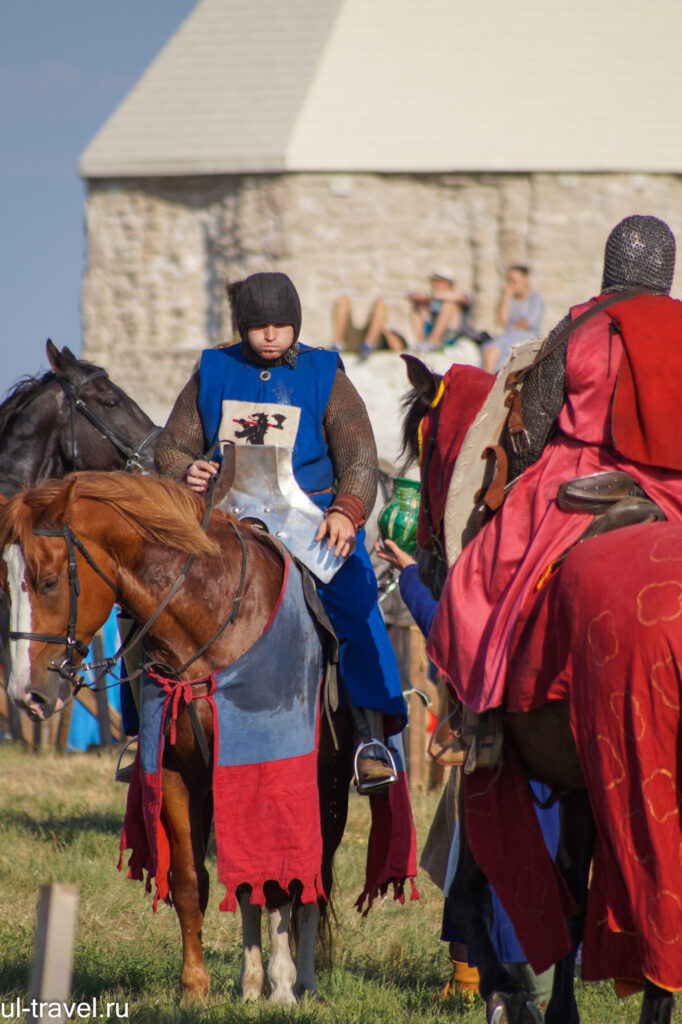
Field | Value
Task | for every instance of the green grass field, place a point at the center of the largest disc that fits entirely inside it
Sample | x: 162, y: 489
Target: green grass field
x: 60, y: 819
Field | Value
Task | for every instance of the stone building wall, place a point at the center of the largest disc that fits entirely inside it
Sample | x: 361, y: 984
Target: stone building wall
x: 160, y: 250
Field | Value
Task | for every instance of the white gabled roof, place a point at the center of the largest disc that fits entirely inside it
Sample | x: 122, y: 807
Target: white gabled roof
x: 405, y: 85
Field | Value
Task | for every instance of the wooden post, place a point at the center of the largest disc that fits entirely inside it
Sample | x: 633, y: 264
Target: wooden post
x: 63, y: 727
x: 52, y: 965
x: 418, y: 678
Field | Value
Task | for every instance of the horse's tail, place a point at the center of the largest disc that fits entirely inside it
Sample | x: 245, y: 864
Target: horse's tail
x: 328, y: 921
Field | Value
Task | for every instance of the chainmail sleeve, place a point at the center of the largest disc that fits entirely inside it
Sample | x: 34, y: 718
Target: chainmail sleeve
x: 348, y: 433
x: 542, y: 396
x: 182, y: 440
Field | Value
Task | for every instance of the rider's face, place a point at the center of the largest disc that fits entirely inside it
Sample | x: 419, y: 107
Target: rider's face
x: 272, y: 340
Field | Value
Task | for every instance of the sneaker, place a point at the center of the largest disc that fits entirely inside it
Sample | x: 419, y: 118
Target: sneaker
x: 365, y: 352
x: 372, y: 769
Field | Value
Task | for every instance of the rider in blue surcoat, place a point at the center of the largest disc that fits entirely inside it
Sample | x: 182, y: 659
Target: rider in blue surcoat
x: 269, y: 388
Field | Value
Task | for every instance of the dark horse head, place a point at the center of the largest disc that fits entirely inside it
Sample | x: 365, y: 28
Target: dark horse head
x: 73, y: 417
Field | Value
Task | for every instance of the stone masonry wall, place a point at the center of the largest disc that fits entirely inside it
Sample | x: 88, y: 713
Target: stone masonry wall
x: 160, y: 250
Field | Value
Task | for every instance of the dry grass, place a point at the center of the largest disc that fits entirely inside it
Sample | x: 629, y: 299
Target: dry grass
x: 60, y: 819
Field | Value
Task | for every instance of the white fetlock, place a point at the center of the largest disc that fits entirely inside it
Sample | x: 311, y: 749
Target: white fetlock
x: 253, y: 972
x: 281, y: 969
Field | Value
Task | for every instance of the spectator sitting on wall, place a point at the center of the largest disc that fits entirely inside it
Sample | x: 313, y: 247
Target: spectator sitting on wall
x: 372, y: 335
x: 441, y: 316
x: 520, y: 314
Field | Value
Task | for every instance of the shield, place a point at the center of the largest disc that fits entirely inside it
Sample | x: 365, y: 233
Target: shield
x: 256, y: 482
x: 473, y: 467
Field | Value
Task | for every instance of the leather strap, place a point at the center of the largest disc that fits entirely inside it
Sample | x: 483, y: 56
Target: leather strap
x: 518, y: 376
x: 494, y: 496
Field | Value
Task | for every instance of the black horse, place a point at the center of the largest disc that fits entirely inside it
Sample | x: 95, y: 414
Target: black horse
x: 73, y: 417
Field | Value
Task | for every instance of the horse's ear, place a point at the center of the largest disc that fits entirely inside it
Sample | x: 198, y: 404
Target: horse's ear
x: 56, y: 510
x: 61, y: 361
x: 422, y: 380
x: 52, y: 353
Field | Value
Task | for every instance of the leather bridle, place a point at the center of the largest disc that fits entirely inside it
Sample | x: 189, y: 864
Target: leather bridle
x: 73, y: 673
x: 67, y: 668
x: 130, y: 452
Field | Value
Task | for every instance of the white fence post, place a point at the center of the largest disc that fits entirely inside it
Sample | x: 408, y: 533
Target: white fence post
x: 52, y: 965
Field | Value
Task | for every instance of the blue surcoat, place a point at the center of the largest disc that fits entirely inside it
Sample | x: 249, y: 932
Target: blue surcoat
x: 244, y: 403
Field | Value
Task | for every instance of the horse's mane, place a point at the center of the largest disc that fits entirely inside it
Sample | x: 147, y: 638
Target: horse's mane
x: 23, y: 393
x: 160, y: 510
x: 414, y: 407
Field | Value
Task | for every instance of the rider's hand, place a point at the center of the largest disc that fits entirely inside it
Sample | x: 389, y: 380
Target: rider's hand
x: 199, y: 474
x: 340, y: 531
x: 390, y: 552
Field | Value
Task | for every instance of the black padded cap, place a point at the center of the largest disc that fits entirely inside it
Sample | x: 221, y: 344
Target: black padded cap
x: 268, y: 298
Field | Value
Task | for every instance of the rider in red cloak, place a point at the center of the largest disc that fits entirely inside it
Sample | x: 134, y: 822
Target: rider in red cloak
x: 608, y: 398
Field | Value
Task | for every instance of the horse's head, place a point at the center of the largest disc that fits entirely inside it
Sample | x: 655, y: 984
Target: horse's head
x: 72, y: 547
x: 438, y: 413
x: 44, y: 580
x: 100, y: 427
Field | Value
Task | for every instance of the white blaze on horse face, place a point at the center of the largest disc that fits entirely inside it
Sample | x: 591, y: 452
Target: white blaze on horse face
x: 19, y: 621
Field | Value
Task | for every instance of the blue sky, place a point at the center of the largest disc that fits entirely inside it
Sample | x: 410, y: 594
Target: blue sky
x: 65, y: 65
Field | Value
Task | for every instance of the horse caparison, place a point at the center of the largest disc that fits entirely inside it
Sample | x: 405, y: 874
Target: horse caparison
x: 556, y: 744
x: 138, y: 532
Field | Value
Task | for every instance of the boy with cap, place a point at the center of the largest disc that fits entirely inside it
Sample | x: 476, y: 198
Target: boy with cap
x: 300, y: 397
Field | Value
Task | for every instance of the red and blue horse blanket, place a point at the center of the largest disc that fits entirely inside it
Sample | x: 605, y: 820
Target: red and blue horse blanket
x: 265, y: 708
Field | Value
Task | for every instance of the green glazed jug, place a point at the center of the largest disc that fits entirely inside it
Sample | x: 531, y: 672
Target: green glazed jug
x: 398, y: 518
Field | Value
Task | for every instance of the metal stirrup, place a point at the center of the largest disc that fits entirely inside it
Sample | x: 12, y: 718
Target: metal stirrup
x: 370, y: 786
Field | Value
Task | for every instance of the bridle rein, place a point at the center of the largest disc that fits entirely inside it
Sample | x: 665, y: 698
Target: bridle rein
x: 130, y: 452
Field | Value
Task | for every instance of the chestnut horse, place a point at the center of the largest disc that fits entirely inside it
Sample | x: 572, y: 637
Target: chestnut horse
x: 71, y: 549
x: 597, y: 660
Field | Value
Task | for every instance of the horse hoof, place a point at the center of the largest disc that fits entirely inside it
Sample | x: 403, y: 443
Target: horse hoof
x: 194, y: 993
x: 285, y: 998
x: 512, y: 1008
x: 302, y: 992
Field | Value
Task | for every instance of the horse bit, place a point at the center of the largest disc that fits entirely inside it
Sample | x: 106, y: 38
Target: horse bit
x: 130, y: 452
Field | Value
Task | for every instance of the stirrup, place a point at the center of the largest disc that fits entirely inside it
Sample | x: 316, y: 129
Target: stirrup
x: 451, y: 751
x: 124, y: 774
x: 369, y: 787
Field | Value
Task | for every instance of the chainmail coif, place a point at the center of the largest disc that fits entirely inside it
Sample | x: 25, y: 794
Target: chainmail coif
x: 639, y: 251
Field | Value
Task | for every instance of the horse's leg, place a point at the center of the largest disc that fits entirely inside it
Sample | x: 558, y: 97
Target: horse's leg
x: 281, y: 968
x: 187, y: 815
x: 253, y: 974
x: 657, y: 1005
x: 573, y: 860
x: 469, y: 905
x: 307, y: 918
